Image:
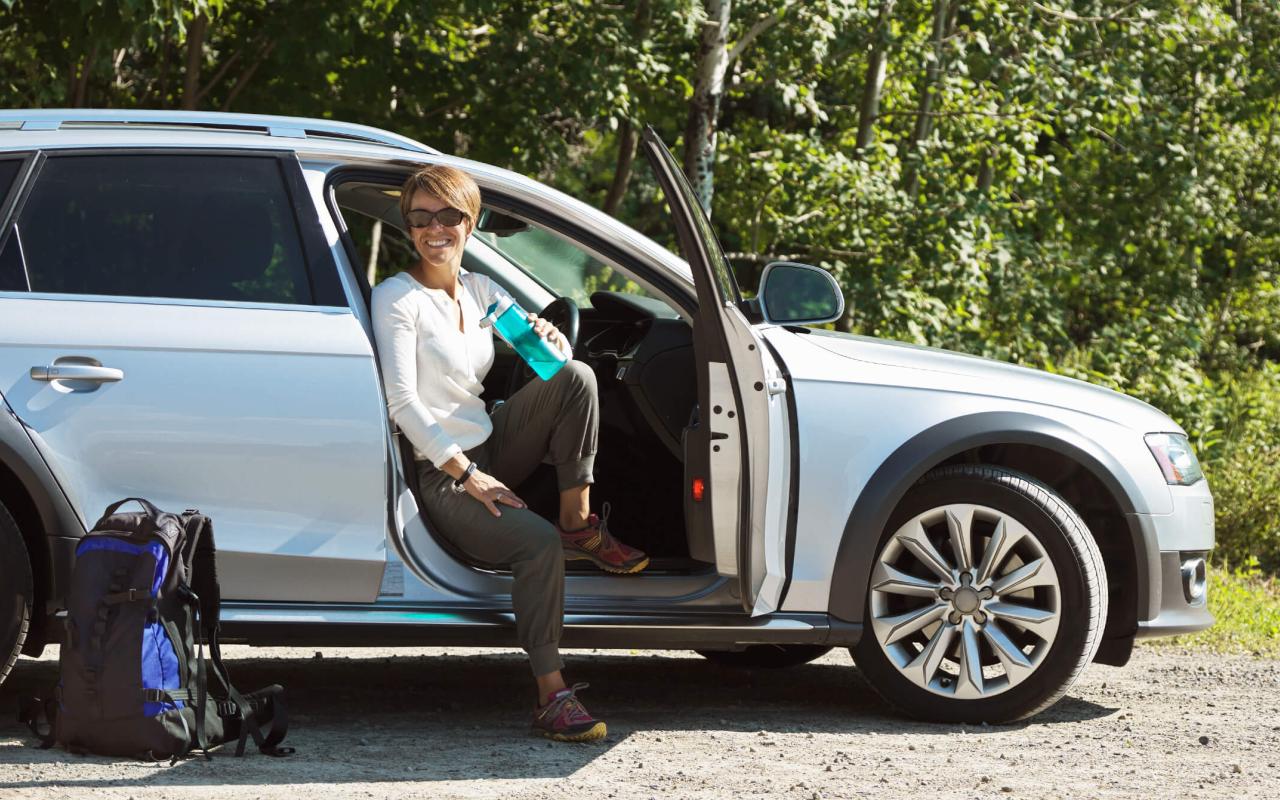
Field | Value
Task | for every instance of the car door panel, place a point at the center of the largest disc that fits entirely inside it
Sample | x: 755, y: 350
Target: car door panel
x: 738, y: 382
x: 221, y: 375
x: 265, y: 419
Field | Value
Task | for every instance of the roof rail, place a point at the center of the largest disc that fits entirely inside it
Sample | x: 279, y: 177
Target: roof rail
x: 289, y: 127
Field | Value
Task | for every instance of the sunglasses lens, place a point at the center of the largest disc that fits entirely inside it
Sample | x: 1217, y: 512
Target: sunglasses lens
x: 448, y: 217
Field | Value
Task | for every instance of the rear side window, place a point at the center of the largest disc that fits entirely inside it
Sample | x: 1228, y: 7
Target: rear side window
x: 8, y: 171
x: 200, y: 227
x: 11, y: 274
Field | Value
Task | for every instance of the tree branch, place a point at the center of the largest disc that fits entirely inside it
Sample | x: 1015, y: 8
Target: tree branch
x: 1072, y: 16
x: 763, y: 24
x: 247, y: 75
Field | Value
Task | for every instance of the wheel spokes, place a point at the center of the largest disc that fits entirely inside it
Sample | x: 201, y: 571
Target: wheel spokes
x: 890, y: 579
x: 1034, y: 573
x: 917, y: 541
x: 1041, y: 622
x: 970, y: 683
x: 1016, y: 664
x: 903, y: 625
x: 930, y: 658
x: 961, y: 541
x: 1003, y: 538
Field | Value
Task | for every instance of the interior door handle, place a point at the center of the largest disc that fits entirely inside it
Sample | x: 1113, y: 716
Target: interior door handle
x: 77, y: 372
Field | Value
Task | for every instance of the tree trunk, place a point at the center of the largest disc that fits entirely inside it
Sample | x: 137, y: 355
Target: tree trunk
x: 869, y: 108
x: 628, y: 138
x: 628, y: 135
x: 704, y: 109
x: 80, y: 82
x: 195, y: 58
x: 924, y: 109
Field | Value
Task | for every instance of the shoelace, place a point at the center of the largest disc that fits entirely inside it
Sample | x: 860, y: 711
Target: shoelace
x: 569, y: 705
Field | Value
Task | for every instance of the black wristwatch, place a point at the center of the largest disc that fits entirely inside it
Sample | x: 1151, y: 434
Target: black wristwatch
x: 460, y: 483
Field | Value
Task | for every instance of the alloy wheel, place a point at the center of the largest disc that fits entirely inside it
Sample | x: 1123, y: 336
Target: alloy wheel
x: 965, y: 601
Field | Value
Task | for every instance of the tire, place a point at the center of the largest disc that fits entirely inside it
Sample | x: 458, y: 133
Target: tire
x: 1002, y: 642
x: 16, y: 592
x: 766, y: 656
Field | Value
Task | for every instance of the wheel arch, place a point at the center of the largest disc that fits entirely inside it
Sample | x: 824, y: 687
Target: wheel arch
x: 44, y: 518
x: 1043, y: 448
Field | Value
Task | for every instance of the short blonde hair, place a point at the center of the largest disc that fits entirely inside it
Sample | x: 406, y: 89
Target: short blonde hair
x: 450, y: 184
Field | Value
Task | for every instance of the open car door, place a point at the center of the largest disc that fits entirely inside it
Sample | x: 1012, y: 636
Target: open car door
x: 737, y: 448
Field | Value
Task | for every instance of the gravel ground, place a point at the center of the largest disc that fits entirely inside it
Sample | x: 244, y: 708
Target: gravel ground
x: 401, y: 723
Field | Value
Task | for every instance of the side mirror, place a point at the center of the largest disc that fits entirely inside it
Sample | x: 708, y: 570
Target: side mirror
x: 499, y: 224
x: 798, y: 294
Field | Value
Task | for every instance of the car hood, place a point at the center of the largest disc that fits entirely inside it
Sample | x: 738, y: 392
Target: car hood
x: 951, y: 371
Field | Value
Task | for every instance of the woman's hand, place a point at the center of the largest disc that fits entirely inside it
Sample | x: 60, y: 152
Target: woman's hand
x: 549, y: 332
x: 491, y: 491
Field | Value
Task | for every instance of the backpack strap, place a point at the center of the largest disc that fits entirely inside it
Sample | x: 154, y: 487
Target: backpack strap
x: 146, y: 504
x: 35, y: 713
x: 201, y: 682
x: 200, y: 554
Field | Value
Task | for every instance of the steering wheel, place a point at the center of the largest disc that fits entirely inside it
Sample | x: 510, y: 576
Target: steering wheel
x: 561, y: 312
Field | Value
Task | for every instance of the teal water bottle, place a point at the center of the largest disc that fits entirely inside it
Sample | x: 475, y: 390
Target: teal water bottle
x: 512, y: 324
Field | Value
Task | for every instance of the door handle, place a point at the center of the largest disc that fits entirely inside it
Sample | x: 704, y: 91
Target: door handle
x: 77, y: 372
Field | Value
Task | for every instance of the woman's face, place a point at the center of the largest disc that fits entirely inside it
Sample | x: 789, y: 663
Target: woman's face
x: 436, y: 244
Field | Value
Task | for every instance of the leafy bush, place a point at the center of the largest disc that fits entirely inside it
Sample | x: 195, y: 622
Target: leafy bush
x: 1246, y: 611
x: 1241, y: 457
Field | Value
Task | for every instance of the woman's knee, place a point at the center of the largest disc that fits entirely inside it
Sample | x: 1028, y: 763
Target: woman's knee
x: 578, y: 375
x: 545, y: 543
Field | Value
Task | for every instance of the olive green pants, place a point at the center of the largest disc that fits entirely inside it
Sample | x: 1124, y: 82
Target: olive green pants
x: 555, y: 422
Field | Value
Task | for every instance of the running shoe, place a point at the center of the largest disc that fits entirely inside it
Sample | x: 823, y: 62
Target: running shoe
x: 565, y: 719
x: 594, y: 543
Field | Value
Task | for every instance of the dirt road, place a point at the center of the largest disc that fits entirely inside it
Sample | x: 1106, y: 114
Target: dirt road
x: 452, y: 723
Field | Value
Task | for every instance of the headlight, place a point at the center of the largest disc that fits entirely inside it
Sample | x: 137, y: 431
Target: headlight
x: 1176, y: 459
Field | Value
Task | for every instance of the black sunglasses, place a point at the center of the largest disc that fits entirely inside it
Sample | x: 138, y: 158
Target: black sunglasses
x: 448, y: 217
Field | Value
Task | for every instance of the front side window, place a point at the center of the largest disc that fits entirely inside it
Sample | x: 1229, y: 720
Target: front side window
x: 200, y: 227
x: 564, y: 268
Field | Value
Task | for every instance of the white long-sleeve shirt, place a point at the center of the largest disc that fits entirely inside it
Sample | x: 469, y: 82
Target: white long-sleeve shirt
x: 433, y: 372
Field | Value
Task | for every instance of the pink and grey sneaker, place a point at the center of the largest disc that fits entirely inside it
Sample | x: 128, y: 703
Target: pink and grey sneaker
x: 565, y: 719
x: 594, y: 543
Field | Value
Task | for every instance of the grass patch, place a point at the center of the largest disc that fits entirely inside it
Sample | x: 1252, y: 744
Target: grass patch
x: 1246, y: 610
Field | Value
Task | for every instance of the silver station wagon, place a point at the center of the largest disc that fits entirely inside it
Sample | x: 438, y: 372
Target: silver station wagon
x: 184, y: 317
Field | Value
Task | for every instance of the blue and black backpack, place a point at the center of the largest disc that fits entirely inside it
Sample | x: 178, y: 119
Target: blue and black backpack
x: 133, y: 676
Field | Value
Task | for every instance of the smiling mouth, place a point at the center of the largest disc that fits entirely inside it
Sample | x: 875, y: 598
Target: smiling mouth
x: 437, y: 243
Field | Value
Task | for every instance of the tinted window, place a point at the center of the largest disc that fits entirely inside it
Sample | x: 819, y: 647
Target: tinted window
x: 12, y: 277
x: 195, y: 227
x: 8, y: 171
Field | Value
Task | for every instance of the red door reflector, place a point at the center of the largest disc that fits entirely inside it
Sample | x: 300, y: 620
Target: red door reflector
x: 699, y: 489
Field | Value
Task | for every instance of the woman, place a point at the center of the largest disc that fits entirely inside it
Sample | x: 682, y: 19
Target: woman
x: 434, y: 357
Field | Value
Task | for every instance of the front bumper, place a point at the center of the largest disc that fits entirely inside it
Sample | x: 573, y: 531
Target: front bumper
x: 1176, y: 614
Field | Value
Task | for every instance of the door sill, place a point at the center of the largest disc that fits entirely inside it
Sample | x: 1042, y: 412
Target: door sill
x: 403, y: 624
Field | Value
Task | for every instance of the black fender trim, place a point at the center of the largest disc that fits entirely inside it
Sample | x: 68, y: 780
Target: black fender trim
x: 57, y: 519
x: 931, y: 447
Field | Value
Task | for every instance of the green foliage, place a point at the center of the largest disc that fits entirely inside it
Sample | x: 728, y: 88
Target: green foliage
x: 1246, y: 610
x: 1082, y: 186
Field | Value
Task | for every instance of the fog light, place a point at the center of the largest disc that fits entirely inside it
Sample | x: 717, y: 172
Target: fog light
x: 1193, y: 579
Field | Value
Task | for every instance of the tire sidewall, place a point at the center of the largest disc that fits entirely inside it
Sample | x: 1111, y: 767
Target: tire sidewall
x: 1074, y: 631
x: 16, y: 592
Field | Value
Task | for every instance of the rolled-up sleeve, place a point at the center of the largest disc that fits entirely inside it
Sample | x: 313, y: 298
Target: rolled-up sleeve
x: 395, y: 328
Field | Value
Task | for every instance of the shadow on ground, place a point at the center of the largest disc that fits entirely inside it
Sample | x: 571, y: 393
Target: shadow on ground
x: 449, y: 717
